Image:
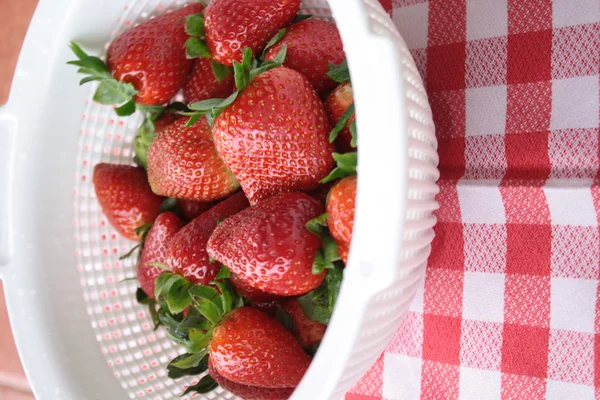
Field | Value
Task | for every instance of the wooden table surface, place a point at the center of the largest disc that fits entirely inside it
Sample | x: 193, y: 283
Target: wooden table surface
x: 16, y: 15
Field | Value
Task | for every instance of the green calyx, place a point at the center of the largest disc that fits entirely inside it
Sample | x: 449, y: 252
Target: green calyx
x: 327, y: 257
x: 318, y: 304
x: 346, y: 166
x: 340, y: 72
x: 244, y: 72
x: 110, y: 91
x: 341, y: 124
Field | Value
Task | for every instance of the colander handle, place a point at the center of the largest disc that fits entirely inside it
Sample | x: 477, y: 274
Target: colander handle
x: 8, y: 128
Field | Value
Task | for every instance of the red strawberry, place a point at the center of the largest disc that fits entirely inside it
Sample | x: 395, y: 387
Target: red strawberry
x: 152, y: 56
x: 251, y: 348
x: 308, y: 333
x: 187, y: 254
x: 192, y: 209
x: 248, y: 392
x: 268, y: 246
x: 125, y: 197
x: 165, y: 226
x: 340, y: 208
x: 183, y: 163
x: 232, y: 25
x: 312, y: 45
x: 203, y: 85
x: 336, y: 105
x: 322, y: 192
x: 274, y: 136
x: 251, y: 294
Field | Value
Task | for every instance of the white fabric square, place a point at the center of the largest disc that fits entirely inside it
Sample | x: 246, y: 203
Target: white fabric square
x: 486, y: 110
x: 486, y: 18
x: 481, y: 202
x: 401, y: 377
x: 571, y: 205
x: 479, y: 384
x: 417, y: 303
x: 575, y: 12
x: 483, y: 296
x: 412, y: 22
x: 556, y: 390
x: 573, y: 304
x: 574, y: 103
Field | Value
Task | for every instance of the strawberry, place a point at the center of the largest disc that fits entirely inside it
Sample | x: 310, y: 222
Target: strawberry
x: 232, y: 25
x: 274, y: 136
x: 183, y: 163
x: 251, y: 348
x: 146, y: 134
x: 145, y: 65
x: 322, y: 192
x: 192, y: 209
x: 340, y: 208
x: 312, y: 45
x: 336, y: 104
x: 248, y: 392
x: 165, y: 226
x: 268, y: 246
x: 249, y: 293
x: 187, y: 254
x: 125, y: 197
x: 152, y: 57
x: 309, y: 333
x: 202, y: 84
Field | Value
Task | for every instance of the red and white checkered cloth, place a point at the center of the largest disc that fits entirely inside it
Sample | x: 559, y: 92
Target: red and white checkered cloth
x: 510, y: 306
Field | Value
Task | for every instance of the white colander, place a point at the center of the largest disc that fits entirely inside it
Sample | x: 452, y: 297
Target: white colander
x: 78, y: 328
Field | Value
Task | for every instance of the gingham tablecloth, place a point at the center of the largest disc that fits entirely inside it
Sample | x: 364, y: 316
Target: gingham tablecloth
x: 510, y: 305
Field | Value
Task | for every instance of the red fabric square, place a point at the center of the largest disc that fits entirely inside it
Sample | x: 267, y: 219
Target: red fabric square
x: 527, y: 300
x: 529, y: 15
x: 446, y: 67
x: 447, y: 22
x: 527, y: 156
x: 525, y: 115
x: 529, y: 56
x: 525, y: 350
x: 439, y: 381
x: 449, y: 113
x: 452, y: 157
x: 447, y: 250
x: 443, y: 292
x: 441, y: 339
x: 447, y: 198
x: 528, y: 249
x: 387, y: 5
x: 517, y: 387
x: 371, y: 384
x: 525, y: 203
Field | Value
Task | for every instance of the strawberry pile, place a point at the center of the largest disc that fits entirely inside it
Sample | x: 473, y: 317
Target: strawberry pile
x: 243, y: 196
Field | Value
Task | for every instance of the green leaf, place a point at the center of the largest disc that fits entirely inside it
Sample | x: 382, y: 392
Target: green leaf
x: 194, y: 25
x: 341, y: 124
x: 330, y: 250
x: 318, y: 305
x: 354, y: 134
x: 221, y: 71
x: 316, y: 225
x: 224, y: 273
x: 142, y: 297
x: 206, y: 105
x: 334, y: 283
x: 77, y: 50
x: 346, y: 166
x: 196, y: 47
x: 242, y: 70
x: 126, y: 109
x: 176, y: 373
x: 178, y: 297
x: 168, y: 204
x: 318, y: 265
x: 200, y: 339
x: 274, y: 40
x: 159, y: 265
x: 226, y: 103
x: 228, y: 295
x: 111, y: 92
x: 143, y: 140
x: 205, y: 385
x: 314, y: 310
x: 130, y: 252
x: 194, y: 118
x: 284, y: 318
x: 209, y: 293
x: 301, y: 17
x: 208, y: 309
x: 164, y: 282
x: 280, y: 57
x: 154, y: 314
x: 186, y: 361
x: 339, y: 73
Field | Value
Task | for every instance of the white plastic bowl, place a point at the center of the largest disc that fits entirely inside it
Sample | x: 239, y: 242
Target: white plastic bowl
x: 79, y: 331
